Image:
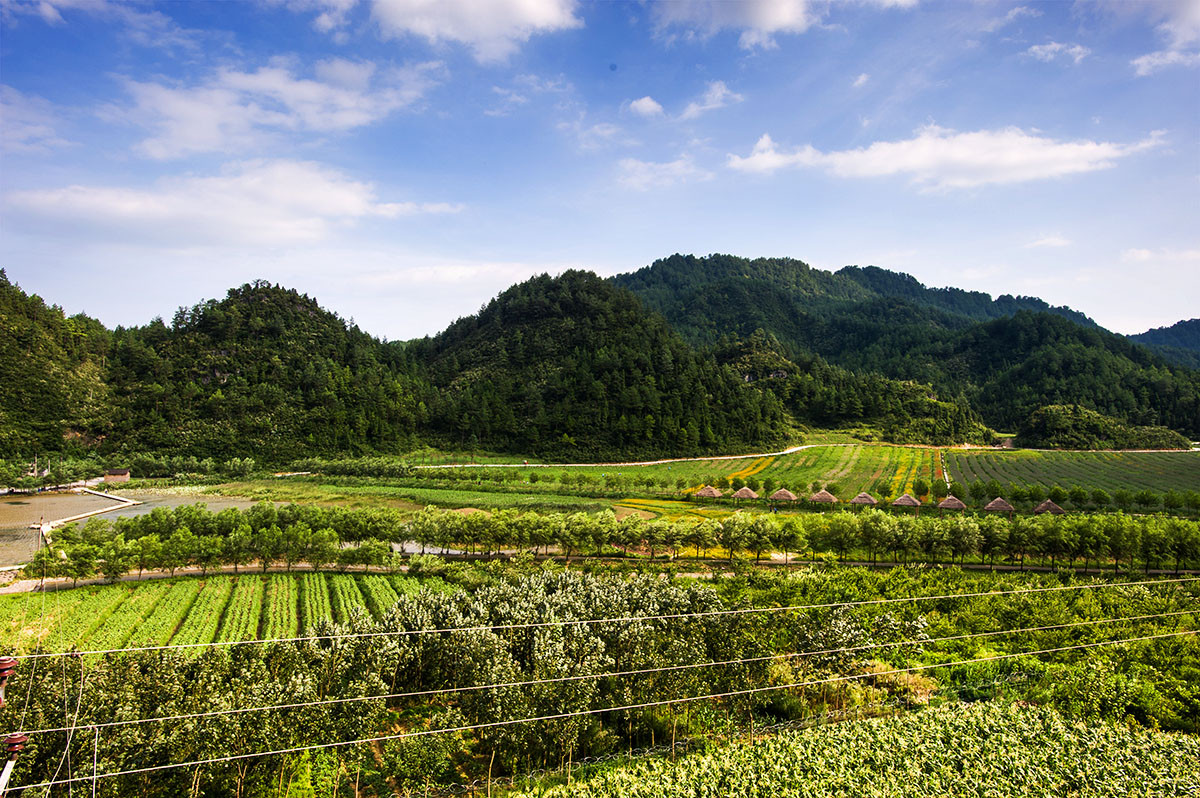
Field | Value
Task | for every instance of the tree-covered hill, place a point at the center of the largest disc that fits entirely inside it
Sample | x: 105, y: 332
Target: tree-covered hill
x: 1179, y: 343
x: 1006, y: 357
x: 265, y: 372
x: 52, y: 381
x: 576, y: 367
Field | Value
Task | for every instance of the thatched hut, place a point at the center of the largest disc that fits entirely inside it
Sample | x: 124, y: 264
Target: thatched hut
x: 908, y: 501
x: 864, y: 499
x: 1048, y: 507
x: 999, y: 505
x: 782, y: 495
x: 951, y: 502
x: 708, y: 492
x: 745, y: 493
x: 823, y: 497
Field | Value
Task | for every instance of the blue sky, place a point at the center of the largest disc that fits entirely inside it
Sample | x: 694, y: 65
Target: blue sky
x: 405, y: 160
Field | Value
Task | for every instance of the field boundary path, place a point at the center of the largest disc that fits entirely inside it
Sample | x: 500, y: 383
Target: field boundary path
x: 792, y: 450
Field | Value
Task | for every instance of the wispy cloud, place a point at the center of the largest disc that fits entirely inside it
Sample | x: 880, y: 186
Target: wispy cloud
x: 28, y: 123
x: 1053, y: 50
x: 1179, y: 26
x: 938, y: 158
x: 1052, y: 242
x: 1012, y: 16
x: 645, y: 175
x: 238, y: 110
x: 251, y: 202
x: 717, y: 95
x: 861, y: 80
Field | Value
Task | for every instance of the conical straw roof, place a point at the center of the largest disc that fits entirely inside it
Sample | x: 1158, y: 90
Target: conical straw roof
x: 999, y: 505
x: 1048, y: 507
x: 708, y: 492
x: 906, y: 501
x: 823, y: 496
x: 745, y: 493
x: 951, y: 503
x: 864, y: 498
x: 783, y: 495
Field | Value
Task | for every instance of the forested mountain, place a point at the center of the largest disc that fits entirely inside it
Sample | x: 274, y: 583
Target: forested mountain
x: 575, y: 366
x: 1005, y: 357
x: 264, y: 372
x: 52, y: 380
x: 1179, y: 343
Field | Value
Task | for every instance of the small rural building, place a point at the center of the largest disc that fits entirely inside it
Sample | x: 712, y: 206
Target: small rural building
x: 999, y: 505
x: 745, y: 493
x: 823, y: 497
x: 906, y: 501
x: 864, y: 499
x: 782, y: 495
x: 116, y: 475
x: 951, y: 503
x: 708, y: 492
x: 1048, y: 507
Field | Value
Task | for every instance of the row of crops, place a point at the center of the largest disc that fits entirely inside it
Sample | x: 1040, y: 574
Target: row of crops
x: 991, y: 749
x: 195, y: 609
x: 1157, y: 471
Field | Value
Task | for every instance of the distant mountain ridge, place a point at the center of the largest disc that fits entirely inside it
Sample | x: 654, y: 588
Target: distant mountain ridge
x: 1179, y: 343
x: 1004, y: 357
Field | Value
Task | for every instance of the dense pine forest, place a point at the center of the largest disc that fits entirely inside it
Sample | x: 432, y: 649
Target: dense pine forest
x: 688, y: 356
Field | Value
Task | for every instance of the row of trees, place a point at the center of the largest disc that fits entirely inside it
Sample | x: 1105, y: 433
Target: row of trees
x: 43, y: 470
x: 267, y: 536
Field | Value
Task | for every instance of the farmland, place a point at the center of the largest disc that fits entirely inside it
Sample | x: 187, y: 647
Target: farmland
x: 195, y: 609
x: 1157, y: 471
x: 953, y: 748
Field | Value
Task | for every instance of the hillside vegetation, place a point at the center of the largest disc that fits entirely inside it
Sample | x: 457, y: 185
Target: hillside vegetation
x: 1004, y: 358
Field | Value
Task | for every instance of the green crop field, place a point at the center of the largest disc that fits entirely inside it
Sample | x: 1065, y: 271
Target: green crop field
x: 950, y: 750
x: 1157, y: 471
x: 195, y: 609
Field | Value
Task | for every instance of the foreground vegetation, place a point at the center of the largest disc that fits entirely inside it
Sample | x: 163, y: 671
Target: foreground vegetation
x: 1015, y: 750
x: 582, y: 668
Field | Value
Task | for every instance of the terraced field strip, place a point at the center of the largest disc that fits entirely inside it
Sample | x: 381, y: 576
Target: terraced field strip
x: 244, y: 612
x: 378, y: 592
x: 124, y: 621
x: 168, y: 615
x: 282, y: 618
x: 344, y: 595
x: 1157, y: 471
x: 24, y: 619
x: 756, y: 467
x: 314, y: 601
x: 88, y: 616
x: 204, y: 618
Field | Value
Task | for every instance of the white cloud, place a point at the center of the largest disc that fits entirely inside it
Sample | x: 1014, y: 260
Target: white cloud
x: 493, y: 29
x: 597, y: 136
x: 645, y: 175
x: 646, y: 106
x: 257, y: 202
x: 1052, y: 50
x: 28, y: 123
x: 146, y: 28
x: 938, y: 158
x: 1178, y: 24
x: 1163, y: 255
x: 1051, y: 241
x: 758, y: 20
x: 861, y: 80
x: 1012, y: 16
x: 717, y: 95
x: 331, y: 15
x: 1152, y: 62
x: 236, y: 110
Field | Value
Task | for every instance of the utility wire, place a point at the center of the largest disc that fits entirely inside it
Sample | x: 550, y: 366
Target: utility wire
x: 587, y: 712
x: 602, y: 675
x: 621, y: 619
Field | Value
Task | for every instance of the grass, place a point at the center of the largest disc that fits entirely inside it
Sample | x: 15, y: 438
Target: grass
x: 1157, y: 471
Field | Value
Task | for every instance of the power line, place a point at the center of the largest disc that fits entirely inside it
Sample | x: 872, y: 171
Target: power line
x: 602, y: 675
x: 621, y: 619
x: 587, y: 712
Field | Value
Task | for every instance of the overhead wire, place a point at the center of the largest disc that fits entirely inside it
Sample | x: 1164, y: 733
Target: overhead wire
x: 597, y: 711
x: 603, y: 675
x: 619, y: 619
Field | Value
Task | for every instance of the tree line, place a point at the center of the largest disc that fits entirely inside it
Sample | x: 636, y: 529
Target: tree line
x: 265, y: 536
